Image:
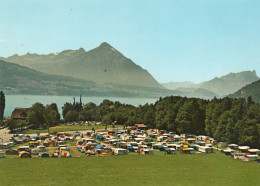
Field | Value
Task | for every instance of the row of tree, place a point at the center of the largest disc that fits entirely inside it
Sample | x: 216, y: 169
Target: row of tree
x: 227, y: 119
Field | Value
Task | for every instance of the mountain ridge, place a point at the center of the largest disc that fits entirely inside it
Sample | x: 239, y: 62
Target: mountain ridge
x: 221, y: 86
x: 101, y: 64
x: 16, y: 79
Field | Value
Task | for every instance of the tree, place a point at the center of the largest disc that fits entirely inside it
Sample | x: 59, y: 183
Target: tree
x: 2, y: 105
x: 11, y: 124
x: 52, y: 115
x: 37, y: 115
x: 89, y: 106
x: 72, y: 115
x: 107, y: 119
x: 66, y: 108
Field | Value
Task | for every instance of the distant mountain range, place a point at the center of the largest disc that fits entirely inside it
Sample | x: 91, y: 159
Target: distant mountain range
x: 16, y: 79
x: 222, y: 86
x: 176, y: 85
x: 103, y: 64
x: 103, y: 71
x: 249, y: 90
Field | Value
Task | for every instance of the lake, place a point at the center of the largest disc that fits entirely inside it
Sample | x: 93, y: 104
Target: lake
x: 26, y: 101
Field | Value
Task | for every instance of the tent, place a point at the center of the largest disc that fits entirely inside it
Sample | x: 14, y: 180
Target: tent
x: 44, y: 155
x: 24, y: 154
x: 11, y: 152
x: 99, y: 137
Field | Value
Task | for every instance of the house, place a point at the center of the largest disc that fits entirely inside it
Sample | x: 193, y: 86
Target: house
x: 19, y: 113
x: 141, y: 126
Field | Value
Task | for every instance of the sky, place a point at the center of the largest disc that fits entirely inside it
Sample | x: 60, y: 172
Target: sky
x: 175, y: 40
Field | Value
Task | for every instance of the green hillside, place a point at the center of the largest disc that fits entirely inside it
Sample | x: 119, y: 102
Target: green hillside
x: 249, y: 90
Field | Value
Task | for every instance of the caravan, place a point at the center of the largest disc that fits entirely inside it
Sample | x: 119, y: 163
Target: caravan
x: 205, y: 149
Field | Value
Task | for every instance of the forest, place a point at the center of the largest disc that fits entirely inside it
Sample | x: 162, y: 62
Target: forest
x: 227, y: 119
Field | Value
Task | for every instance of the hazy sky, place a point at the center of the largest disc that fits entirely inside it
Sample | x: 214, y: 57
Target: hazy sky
x: 175, y: 40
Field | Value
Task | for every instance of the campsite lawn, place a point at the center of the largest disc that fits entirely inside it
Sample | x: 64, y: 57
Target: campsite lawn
x: 65, y: 128
x: 158, y: 169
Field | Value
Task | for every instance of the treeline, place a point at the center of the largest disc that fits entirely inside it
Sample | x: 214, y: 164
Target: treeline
x: 38, y: 116
x: 230, y: 120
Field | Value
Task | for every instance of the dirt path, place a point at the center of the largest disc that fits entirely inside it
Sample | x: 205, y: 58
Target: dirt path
x: 4, y: 135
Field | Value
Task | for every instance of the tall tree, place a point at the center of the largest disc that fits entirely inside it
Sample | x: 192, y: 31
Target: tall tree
x: 2, y: 105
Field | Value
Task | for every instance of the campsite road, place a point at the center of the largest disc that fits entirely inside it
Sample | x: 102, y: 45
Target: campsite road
x: 4, y: 135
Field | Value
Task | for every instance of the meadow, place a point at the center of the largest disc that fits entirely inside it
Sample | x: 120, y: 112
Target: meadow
x: 132, y: 169
x: 66, y: 128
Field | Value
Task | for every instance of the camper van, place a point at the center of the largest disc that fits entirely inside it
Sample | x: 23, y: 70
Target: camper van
x: 147, y: 151
x: 35, y: 151
x: 24, y: 148
x: 254, y: 151
x: 205, y: 149
x: 239, y: 156
x: 251, y: 158
x: 120, y: 151
x: 169, y: 151
x: 227, y: 152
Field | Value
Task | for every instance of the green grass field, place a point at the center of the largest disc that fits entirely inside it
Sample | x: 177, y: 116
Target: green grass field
x: 132, y: 169
x: 64, y: 128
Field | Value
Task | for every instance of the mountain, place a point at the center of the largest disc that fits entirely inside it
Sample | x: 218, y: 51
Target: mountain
x: 103, y: 64
x: 197, y: 93
x: 218, y: 87
x: 230, y: 83
x: 176, y: 85
x: 249, y: 90
x: 16, y: 79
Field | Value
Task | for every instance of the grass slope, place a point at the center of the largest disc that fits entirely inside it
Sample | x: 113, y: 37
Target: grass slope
x: 159, y: 169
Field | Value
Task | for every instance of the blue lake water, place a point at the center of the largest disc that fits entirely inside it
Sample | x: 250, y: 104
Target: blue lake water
x: 26, y: 101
